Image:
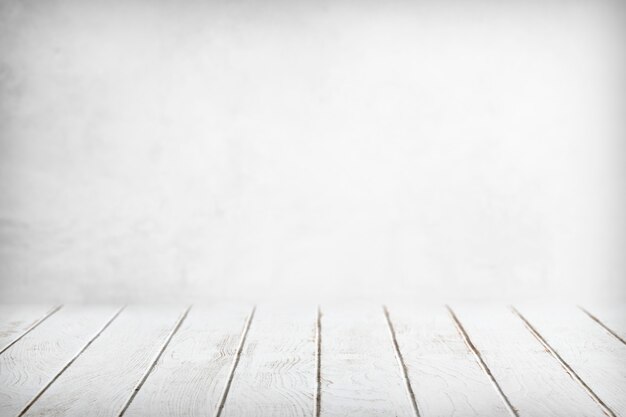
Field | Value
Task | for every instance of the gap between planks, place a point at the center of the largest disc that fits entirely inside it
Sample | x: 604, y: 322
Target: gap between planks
x: 318, y: 364
x: 564, y: 364
x: 400, y: 359
x: 31, y: 328
x: 481, y: 362
x: 231, y: 375
x: 70, y: 362
x: 179, y: 322
x: 604, y: 326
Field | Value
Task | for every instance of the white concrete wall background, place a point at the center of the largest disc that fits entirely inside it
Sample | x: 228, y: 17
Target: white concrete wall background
x: 156, y: 150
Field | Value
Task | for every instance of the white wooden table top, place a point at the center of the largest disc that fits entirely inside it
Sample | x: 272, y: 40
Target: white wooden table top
x: 336, y: 360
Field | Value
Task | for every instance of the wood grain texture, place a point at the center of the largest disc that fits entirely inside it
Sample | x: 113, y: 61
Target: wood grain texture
x: 276, y: 373
x: 360, y: 375
x: 190, y: 376
x: 16, y: 320
x: 27, y: 366
x: 612, y: 317
x: 102, y: 379
x: 596, y: 357
x: 535, y: 384
x: 445, y: 376
x: 286, y: 360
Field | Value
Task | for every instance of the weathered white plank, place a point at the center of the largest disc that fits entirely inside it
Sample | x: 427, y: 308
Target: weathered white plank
x: 102, y: 379
x: 276, y: 375
x: 595, y: 356
x: 446, y: 377
x: 189, y: 377
x: 37, y: 358
x: 534, y: 383
x: 612, y: 317
x: 17, y: 320
x: 359, y: 371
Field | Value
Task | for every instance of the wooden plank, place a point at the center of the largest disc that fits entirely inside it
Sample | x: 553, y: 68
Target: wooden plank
x: 360, y: 375
x: 612, y: 317
x: 276, y: 375
x: 33, y: 362
x: 189, y: 378
x: 17, y: 320
x: 445, y: 376
x: 594, y: 357
x: 533, y: 382
x: 103, y: 378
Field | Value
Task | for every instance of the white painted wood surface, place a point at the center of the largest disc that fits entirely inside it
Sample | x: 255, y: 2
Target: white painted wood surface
x: 189, y: 377
x: 102, y: 379
x: 162, y: 361
x: 16, y: 320
x: 276, y: 375
x: 595, y: 356
x: 445, y: 376
x: 37, y: 358
x: 360, y: 375
x: 535, y: 383
x: 612, y: 317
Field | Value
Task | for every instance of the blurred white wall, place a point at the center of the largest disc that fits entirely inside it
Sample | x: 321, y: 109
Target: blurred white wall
x: 162, y: 149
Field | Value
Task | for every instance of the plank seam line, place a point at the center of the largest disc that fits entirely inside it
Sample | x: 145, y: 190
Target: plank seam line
x: 564, y: 364
x: 604, y: 326
x: 400, y: 360
x: 31, y: 327
x: 231, y: 375
x: 179, y: 323
x: 69, y: 363
x: 481, y: 362
x: 318, y: 364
